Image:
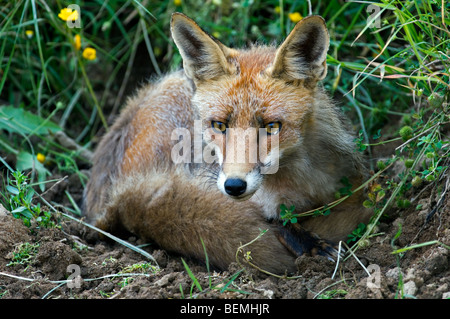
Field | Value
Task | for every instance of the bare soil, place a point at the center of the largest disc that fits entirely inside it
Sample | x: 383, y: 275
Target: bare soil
x: 107, y: 271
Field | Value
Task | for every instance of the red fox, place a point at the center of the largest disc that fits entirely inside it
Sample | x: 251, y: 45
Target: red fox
x: 138, y: 186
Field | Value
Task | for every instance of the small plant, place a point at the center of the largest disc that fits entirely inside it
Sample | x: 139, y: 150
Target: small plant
x: 357, y: 233
x: 2, y: 293
x: 19, y: 202
x: 360, y: 143
x: 110, y: 259
x: 105, y: 294
x: 325, y: 211
x: 125, y: 282
x: 221, y: 286
x: 144, y: 268
x: 333, y: 294
x: 23, y: 254
x: 287, y: 215
x: 375, y: 195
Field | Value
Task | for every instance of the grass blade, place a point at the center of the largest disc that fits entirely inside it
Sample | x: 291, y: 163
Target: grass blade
x: 232, y: 279
x: 428, y: 243
x: 38, y: 39
x: 192, y: 276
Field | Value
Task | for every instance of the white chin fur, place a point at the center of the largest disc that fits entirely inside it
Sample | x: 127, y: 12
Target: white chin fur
x: 221, y: 182
x: 253, y: 180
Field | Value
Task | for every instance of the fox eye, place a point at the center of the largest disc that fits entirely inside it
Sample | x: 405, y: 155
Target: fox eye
x: 273, y: 128
x: 219, y: 127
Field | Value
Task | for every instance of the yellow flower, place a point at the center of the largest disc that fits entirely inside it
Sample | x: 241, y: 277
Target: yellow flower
x: 295, y: 17
x: 77, y: 41
x: 40, y: 157
x: 277, y: 9
x: 29, y: 33
x: 177, y: 2
x: 89, y: 54
x: 67, y: 14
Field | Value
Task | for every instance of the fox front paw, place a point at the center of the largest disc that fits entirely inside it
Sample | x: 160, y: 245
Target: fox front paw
x: 302, y: 242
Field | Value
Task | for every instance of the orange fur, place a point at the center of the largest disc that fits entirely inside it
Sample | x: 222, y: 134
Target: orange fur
x: 136, y: 187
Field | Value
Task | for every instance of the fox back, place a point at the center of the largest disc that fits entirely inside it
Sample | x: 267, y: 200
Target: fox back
x: 270, y: 136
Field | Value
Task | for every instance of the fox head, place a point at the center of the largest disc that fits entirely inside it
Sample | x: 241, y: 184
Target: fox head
x: 253, y: 103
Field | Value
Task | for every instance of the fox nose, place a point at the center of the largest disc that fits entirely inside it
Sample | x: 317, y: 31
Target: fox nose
x: 235, y: 186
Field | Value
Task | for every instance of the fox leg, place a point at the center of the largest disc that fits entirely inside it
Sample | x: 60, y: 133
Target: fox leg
x: 300, y: 242
x: 178, y: 213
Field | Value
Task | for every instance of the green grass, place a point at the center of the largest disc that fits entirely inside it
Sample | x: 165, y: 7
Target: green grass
x: 24, y: 254
x: 384, y: 77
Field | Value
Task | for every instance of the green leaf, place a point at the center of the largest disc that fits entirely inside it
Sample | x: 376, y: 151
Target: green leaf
x: 29, y: 195
x: 12, y: 190
x: 377, y: 135
x: 368, y: 203
x: 18, y: 120
x: 25, y: 213
x: 19, y: 209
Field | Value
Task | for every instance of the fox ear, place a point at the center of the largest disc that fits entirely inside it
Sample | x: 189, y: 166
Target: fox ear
x: 303, y: 54
x: 204, y: 57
